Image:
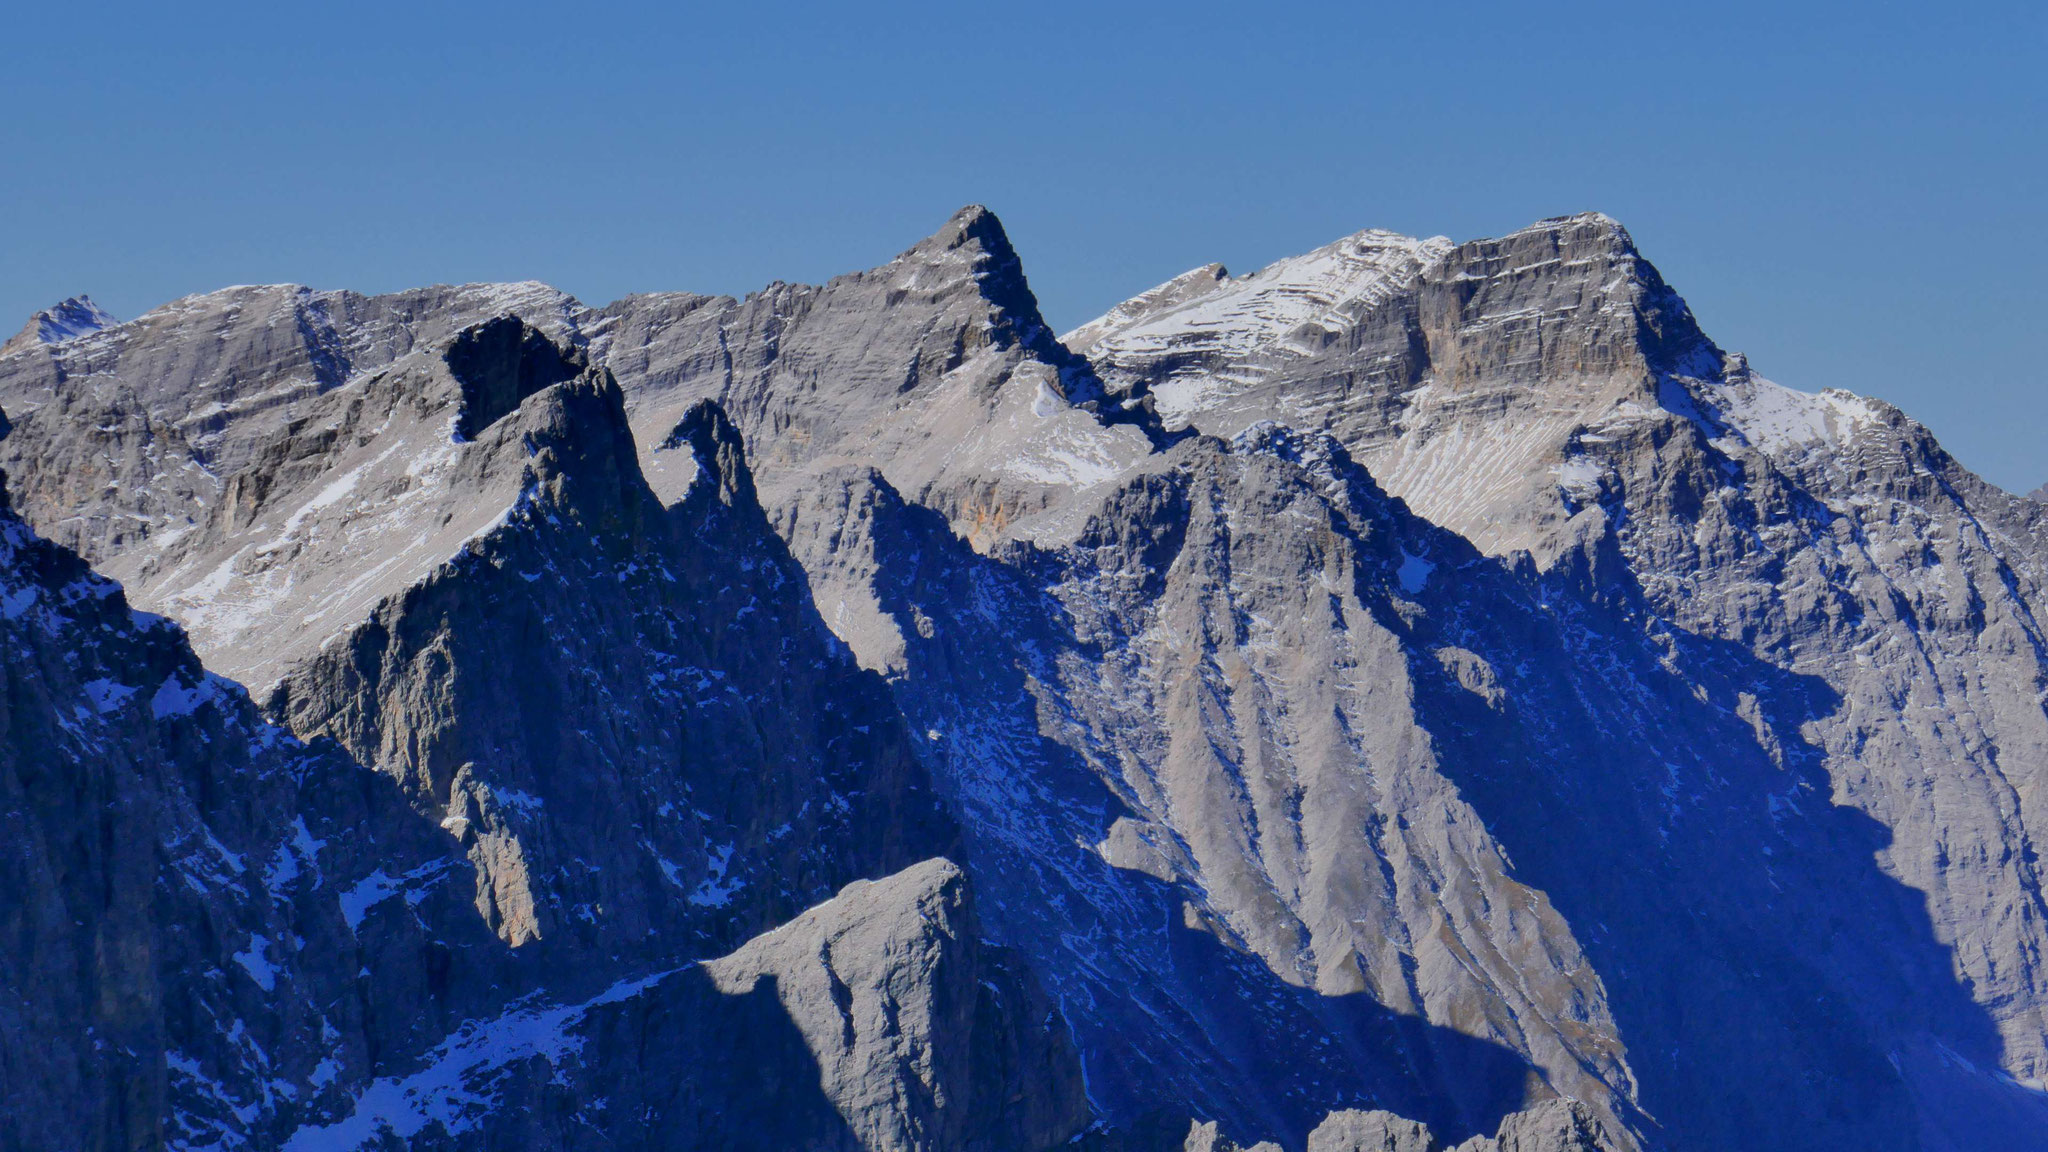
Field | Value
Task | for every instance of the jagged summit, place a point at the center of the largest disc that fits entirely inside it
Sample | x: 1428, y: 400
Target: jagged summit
x: 717, y: 453
x: 2040, y: 494
x: 1507, y: 695
x: 937, y: 366
x: 1590, y: 217
x: 501, y: 362
x: 974, y: 242
x: 974, y: 229
x: 974, y: 225
x: 68, y: 320
x: 1205, y: 316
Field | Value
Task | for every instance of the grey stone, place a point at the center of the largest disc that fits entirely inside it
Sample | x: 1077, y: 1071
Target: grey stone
x: 1377, y: 1131
x: 66, y: 320
x: 1547, y: 396
x: 924, y: 1037
x: 1420, y: 673
x: 1556, y: 1125
x: 212, y: 931
x: 127, y: 433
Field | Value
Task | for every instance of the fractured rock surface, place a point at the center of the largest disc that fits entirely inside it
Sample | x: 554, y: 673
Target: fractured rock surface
x: 1416, y: 694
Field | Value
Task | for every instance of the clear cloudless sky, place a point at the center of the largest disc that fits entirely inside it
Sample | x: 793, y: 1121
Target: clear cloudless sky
x: 1851, y: 193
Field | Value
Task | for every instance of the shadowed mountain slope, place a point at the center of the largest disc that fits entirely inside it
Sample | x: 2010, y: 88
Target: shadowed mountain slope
x: 1415, y: 680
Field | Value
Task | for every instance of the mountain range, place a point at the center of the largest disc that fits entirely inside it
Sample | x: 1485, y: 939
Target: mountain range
x: 1413, y: 696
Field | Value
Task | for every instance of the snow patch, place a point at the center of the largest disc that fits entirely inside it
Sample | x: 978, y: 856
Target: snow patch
x: 174, y: 698
x: 299, y: 851
x: 106, y: 695
x: 718, y: 888
x: 1579, y: 478
x: 1413, y: 573
x: 458, y: 1085
x: 1774, y: 419
x: 17, y: 602
x: 377, y: 887
x: 255, y: 960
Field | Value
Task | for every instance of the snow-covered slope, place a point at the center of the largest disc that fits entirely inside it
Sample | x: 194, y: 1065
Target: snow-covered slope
x: 67, y: 320
x: 131, y: 430
x: 1201, y: 332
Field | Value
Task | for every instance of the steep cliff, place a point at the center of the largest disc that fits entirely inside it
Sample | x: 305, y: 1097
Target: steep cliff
x: 1416, y: 693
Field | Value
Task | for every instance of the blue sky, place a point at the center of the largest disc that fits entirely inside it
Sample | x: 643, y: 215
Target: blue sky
x: 1850, y: 193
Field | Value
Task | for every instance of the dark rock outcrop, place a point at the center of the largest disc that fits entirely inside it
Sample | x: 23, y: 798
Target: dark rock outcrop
x: 628, y: 714
x: 211, y: 929
x: 499, y: 364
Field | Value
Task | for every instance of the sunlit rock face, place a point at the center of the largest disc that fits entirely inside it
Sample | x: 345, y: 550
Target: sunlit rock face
x: 1415, y: 695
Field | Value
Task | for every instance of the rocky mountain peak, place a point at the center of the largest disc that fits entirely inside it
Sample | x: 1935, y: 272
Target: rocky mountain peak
x: 717, y: 450
x: 1516, y: 722
x: 67, y: 320
x: 973, y: 244
x: 889, y: 975
x: 1424, y: 358
x: 973, y: 223
x: 501, y: 362
x: 971, y: 241
x: 973, y: 228
x: 1583, y: 270
x: 2040, y: 493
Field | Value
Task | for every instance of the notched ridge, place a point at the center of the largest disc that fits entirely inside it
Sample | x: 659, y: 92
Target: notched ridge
x: 501, y: 362
x: 719, y: 449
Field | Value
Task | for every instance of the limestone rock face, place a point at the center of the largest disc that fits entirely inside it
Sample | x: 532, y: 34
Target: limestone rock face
x: 1555, y: 1125
x: 1417, y: 694
x: 126, y: 433
x: 1453, y: 372
x: 408, y: 465
x: 924, y: 1037
x: 1207, y: 680
x: 1102, y: 694
x: 224, y: 936
x: 935, y: 368
x: 1356, y: 1131
x: 211, y: 930
x: 1547, y: 395
x: 1210, y: 1138
x: 627, y: 713
x: 1552, y: 1126
x: 874, y: 1022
